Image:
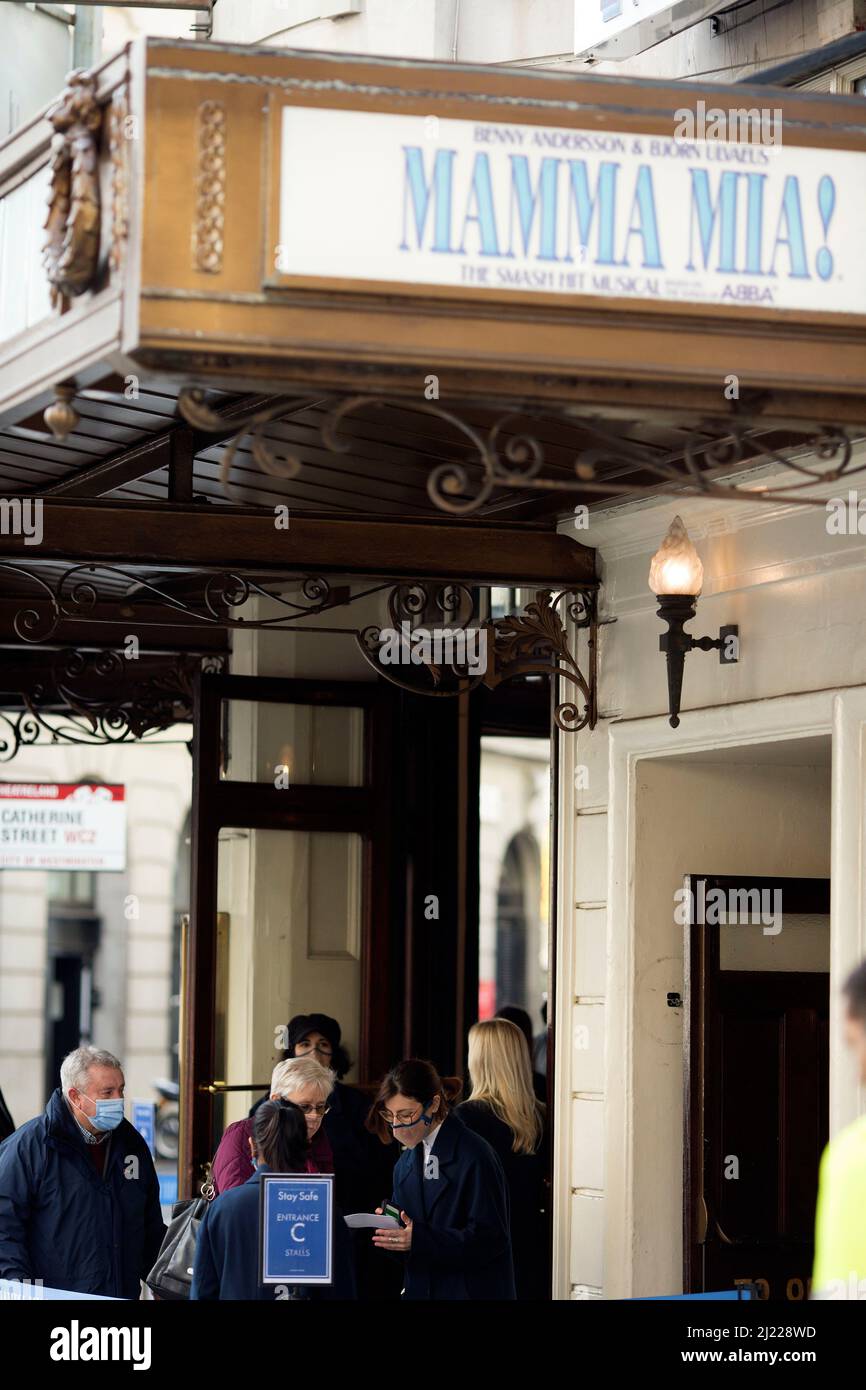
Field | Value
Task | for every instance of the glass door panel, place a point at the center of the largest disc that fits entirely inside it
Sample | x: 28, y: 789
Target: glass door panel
x: 291, y: 902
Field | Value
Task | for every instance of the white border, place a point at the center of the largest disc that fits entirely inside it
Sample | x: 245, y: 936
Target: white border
x: 324, y: 1180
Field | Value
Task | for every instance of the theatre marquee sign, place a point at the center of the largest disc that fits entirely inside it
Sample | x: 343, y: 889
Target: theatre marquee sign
x: 569, y: 211
x: 292, y: 223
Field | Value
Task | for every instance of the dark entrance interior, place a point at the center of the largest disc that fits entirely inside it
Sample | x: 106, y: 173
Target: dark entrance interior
x: 756, y: 1079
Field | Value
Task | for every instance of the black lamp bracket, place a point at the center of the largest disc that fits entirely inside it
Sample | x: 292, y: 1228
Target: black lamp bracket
x: 677, y: 610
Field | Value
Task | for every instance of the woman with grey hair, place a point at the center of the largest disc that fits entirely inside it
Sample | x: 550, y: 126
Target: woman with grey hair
x: 308, y: 1085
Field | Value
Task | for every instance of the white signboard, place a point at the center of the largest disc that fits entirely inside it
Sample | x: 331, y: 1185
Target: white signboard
x: 415, y: 200
x: 57, y: 825
x: 612, y: 29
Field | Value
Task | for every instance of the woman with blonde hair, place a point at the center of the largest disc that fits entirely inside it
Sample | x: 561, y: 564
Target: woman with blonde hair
x: 502, y: 1109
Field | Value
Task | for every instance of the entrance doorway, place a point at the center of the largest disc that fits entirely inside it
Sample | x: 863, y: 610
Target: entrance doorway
x: 337, y: 857
x: 756, y: 1064
x: 743, y: 811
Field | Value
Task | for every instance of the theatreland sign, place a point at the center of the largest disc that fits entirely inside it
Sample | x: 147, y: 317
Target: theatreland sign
x: 288, y: 222
x: 62, y: 826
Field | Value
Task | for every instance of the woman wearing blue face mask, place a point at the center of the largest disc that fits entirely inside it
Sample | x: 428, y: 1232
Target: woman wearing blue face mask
x: 449, y: 1189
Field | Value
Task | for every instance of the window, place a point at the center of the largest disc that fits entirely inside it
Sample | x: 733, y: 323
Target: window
x: 72, y: 887
x: 848, y: 79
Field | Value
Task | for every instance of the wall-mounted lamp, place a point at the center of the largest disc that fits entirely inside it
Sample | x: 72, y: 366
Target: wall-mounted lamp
x: 676, y: 575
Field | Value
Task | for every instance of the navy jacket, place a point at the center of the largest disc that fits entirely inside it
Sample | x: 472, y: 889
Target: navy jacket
x: 227, y: 1251
x: 461, y: 1248
x: 63, y: 1223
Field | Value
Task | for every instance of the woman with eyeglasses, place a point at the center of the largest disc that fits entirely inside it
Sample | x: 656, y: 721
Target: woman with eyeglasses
x: 308, y: 1085
x: 449, y: 1189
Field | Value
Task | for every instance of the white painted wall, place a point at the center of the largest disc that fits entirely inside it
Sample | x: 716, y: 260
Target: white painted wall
x: 468, y: 31
x: 797, y: 594
x: 410, y: 29
x: 534, y: 32
x: 758, y: 37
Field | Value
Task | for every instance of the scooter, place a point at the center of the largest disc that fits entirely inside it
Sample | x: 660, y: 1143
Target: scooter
x: 166, y: 1137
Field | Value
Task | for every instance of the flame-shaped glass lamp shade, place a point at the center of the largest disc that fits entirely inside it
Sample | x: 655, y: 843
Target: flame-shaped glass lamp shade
x: 676, y: 566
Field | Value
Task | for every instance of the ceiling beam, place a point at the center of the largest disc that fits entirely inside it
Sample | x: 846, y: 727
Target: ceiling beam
x: 165, y: 536
x: 156, y: 450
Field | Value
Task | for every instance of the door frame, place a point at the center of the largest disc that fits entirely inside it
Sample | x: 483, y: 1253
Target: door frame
x: 700, y: 980
x: 216, y: 804
x: 842, y: 715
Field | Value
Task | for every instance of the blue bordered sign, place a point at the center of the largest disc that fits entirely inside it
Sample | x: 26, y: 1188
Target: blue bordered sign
x: 296, y: 1229
x: 144, y: 1120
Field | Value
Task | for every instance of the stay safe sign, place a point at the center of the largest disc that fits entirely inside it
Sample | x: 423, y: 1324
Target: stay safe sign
x: 296, y: 1229
x: 504, y: 208
x: 60, y: 825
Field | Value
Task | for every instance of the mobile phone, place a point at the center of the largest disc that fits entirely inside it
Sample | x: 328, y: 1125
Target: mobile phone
x: 389, y: 1210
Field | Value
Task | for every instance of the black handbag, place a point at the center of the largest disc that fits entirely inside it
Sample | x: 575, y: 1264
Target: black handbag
x: 171, y: 1276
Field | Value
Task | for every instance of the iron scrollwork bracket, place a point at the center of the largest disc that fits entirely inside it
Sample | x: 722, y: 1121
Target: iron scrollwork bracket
x: 536, y: 642
x: 99, y: 697
x: 455, y: 659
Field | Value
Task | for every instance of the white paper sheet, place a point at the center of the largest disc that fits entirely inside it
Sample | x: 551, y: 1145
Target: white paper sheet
x: 359, y: 1219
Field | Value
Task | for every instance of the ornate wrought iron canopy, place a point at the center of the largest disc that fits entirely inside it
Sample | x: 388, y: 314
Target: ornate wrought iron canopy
x: 94, y: 697
x: 720, y: 459
x: 439, y: 640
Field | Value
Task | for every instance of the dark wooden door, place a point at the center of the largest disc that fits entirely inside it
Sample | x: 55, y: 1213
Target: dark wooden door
x: 756, y: 1075
x: 217, y: 803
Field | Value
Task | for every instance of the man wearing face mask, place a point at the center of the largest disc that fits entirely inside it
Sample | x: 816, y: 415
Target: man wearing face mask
x: 79, y: 1195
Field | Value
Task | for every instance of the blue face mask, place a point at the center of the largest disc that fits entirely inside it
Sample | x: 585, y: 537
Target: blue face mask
x: 109, y: 1114
x: 423, y: 1118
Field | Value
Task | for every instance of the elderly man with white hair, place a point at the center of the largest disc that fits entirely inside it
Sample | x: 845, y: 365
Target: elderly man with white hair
x: 79, y: 1195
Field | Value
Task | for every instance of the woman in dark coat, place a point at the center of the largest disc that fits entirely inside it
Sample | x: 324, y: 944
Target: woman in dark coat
x: 227, y: 1251
x: 503, y: 1110
x: 361, y: 1165
x: 450, y: 1191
